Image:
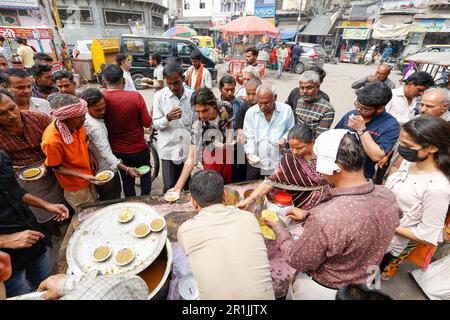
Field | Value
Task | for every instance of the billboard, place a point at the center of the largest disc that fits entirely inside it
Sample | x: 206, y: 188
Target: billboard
x: 265, y: 8
x: 19, y: 4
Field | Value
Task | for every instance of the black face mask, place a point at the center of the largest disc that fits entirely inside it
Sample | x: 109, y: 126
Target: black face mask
x: 410, y: 155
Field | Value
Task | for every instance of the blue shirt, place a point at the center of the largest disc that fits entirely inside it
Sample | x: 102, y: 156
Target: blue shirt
x: 384, y: 130
x: 387, y: 52
x: 263, y: 136
x: 236, y: 103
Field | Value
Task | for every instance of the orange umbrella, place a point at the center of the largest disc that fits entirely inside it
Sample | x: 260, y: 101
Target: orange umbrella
x: 250, y: 25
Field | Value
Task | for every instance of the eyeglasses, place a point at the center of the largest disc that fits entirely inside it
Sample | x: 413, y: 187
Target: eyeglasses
x: 360, y: 107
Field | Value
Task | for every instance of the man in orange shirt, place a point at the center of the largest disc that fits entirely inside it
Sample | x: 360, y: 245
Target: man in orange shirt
x: 65, y: 145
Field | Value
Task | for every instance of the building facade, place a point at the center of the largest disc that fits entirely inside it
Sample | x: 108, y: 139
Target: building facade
x: 89, y: 19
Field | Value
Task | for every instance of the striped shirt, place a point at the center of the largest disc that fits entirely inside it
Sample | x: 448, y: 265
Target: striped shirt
x: 318, y: 114
x: 26, y: 150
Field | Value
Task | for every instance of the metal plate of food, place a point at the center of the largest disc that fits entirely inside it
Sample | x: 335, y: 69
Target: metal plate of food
x: 104, y: 228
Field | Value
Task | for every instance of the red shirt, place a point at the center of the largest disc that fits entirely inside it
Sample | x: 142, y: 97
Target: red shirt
x: 126, y: 115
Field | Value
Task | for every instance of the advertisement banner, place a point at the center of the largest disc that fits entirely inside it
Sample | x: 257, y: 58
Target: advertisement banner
x: 347, y: 23
x: 430, y: 25
x: 265, y: 8
x: 355, y: 34
x: 27, y: 33
x: 19, y: 4
x: 138, y: 28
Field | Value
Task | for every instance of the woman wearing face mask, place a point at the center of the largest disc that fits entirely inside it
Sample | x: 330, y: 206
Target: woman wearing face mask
x: 297, y: 174
x: 422, y: 188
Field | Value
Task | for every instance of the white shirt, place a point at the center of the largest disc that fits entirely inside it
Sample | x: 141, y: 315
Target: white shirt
x: 424, y: 200
x: 263, y: 137
x: 158, y: 73
x: 129, y: 83
x: 399, y: 108
x: 242, y: 93
x: 206, y: 77
x: 227, y: 254
x: 41, y: 105
x: 99, y: 143
x: 174, y: 137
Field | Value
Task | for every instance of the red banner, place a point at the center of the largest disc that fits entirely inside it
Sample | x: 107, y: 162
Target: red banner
x: 27, y: 33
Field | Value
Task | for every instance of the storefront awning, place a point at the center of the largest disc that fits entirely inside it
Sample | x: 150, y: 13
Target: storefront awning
x: 390, y: 32
x: 355, y: 33
x: 364, y: 11
x: 320, y: 25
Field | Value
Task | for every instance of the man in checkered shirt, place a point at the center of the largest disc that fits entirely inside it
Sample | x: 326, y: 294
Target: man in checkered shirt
x: 311, y: 108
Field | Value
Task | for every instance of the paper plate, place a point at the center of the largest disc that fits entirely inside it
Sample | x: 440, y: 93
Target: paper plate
x: 144, y: 170
x: 187, y: 287
x: 36, y: 177
x: 111, y: 176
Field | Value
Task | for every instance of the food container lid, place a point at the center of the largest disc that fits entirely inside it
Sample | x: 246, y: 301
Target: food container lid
x: 283, y: 198
x: 187, y: 287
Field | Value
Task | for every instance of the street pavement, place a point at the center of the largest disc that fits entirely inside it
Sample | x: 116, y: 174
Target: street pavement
x: 337, y: 85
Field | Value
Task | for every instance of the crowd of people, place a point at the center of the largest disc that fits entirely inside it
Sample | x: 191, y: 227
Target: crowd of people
x: 370, y: 191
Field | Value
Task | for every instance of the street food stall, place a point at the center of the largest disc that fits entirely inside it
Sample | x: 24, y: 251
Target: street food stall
x: 41, y: 38
x: 246, y: 27
x: 163, y: 265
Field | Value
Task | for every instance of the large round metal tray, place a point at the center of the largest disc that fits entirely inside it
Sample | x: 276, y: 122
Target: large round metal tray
x: 103, y: 228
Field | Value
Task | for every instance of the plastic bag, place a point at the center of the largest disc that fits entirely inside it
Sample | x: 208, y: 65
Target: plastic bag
x: 435, y: 282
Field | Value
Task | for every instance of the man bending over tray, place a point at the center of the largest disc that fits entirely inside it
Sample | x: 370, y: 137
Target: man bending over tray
x: 225, y: 246
x: 65, y: 146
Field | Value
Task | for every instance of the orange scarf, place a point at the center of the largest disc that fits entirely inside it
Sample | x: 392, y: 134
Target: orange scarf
x: 198, y: 80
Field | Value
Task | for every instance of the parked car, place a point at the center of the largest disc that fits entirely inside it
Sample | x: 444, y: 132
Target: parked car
x: 313, y: 55
x: 141, y: 48
x: 403, y: 63
x: 82, y: 50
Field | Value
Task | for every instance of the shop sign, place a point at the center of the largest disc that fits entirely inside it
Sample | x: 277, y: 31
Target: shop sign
x: 19, y: 4
x: 27, y: 33
x: 265, y: 8
x: 430, y: 25
x: 347, y: 23
x: 355, y: 34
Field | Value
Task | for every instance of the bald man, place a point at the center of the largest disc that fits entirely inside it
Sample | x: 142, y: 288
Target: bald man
x: 435, y: 102
x: 266, y: 126
x: 381, y: 75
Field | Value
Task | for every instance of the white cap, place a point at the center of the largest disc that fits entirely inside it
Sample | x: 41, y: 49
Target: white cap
x: 325, y: 148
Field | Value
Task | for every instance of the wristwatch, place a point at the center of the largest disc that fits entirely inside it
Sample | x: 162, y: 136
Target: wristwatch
x: 361, y: 132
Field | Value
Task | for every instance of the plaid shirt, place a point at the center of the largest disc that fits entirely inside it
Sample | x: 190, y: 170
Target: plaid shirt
x: 94, y: 286
x: 26, y: 150
x: 318, y: 114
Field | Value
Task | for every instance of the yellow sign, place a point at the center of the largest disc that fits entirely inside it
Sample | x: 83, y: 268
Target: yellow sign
x: 347, y: 23
x: 271, y: 20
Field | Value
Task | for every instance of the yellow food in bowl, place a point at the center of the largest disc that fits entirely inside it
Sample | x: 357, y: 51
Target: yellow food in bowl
x: 30, y: 173
x: 101, y: 253
x: 103, y: 176
x: 125, y: 215
x: 141, y: 230
x: 124, y: 256
x: 157, y: 224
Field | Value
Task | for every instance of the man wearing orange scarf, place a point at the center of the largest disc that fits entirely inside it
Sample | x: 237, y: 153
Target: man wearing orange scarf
x: 197, y: 76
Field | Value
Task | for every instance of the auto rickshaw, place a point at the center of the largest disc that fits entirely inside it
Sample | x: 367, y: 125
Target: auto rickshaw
x: 103, y: 51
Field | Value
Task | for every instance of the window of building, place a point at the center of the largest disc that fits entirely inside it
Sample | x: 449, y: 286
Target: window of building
x: 163, y: 47
x: 157, y: 21
x: 23, y: 13
x: 186, y: 5
x: 202, y: 5
x: 134, y: 46
x: 75, y: 15
x: 9, y: 18
x: 113, y: 17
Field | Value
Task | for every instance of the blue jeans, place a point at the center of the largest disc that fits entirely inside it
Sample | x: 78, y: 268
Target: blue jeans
x: 280, y: 67
x: 28, y: 280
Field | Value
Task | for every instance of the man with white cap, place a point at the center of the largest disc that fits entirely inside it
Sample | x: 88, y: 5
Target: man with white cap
x: 344, y: 238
